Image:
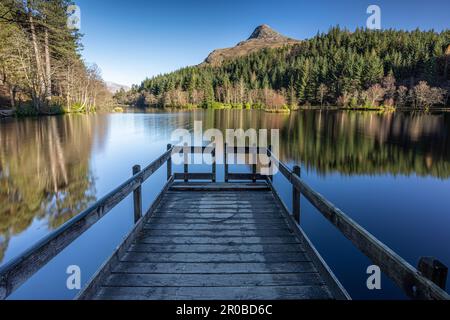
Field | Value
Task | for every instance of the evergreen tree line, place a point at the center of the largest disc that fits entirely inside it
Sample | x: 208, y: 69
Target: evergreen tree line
x: 41, y: 70
x: 362, y: 68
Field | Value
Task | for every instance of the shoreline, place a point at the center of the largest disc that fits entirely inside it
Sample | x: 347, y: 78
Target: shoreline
x: 303, y: 108
x: 7, y: 113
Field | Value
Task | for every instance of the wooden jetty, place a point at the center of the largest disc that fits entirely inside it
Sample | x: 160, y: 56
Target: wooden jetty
x: 232, y: 240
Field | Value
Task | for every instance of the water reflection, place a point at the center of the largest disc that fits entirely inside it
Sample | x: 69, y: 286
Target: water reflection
x: 46, y: 164
x: 44, y: 171
x: 354, y: 143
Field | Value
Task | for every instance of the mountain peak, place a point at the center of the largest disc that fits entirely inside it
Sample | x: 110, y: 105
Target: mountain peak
x: 264, y: 32
x: 263, y: 37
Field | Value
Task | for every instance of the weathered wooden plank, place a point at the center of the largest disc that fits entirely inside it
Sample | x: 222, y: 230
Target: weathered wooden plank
x: 219, y: 215
x: 217, y: 240
x: 227, y: 221
x: 195, y: 199
x: 192, y: 200
x: 202, y: 226
x: 194, y: 176
x: 219, y: 187
x: 215, y: 233
x: 215, y: 188
x: 220, y: 184
x: 244, y: 187
x: 187, y: 207
x: 203, y: 213
x: 214, y: 194
x: 193, y: 196
x: 213, y: 280
x: 246, y: 193
x: 209, y: 267
x: 215, y: 293
x: 217, y: 248
x: 214, y: 257
x: 245, y: 176
x: 221, y: 211
x: 218, y: 202
x: 255, y: 202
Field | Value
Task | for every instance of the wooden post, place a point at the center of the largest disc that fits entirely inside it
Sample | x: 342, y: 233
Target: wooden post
x: 254, y: 166
x: 186, y: 162
x: 269, y: 154
x: 225, y: 157
x: 169, y: 163
x: 214, y: 168
x: 137, y: 197
x: 296, y: 197
x: 434, y: 270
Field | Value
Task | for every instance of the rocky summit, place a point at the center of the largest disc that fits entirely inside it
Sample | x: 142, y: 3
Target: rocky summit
x: 263, y: 37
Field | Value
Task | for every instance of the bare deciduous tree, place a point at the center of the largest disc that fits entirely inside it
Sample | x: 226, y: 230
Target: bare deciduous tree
x: 426, y: 96
x: 375, y: 94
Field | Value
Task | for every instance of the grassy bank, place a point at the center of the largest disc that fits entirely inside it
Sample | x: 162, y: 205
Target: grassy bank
x: 30, y: 111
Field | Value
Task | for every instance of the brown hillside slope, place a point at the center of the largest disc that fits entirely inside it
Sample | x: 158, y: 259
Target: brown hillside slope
x: 263, y: 37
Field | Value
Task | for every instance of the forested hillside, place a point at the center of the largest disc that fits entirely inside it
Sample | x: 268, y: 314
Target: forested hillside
x: 361, y: 68
x: 41, y: 70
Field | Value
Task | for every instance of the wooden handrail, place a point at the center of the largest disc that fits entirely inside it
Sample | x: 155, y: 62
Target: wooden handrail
x: 186, y: 176
x: 236, y: 151
x: 193, y: 149
x: 408, y: 278
x: 17, y: 271
x: 413, y: 282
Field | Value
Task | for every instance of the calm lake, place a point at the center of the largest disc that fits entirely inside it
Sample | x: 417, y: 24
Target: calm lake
x: 389, y: 172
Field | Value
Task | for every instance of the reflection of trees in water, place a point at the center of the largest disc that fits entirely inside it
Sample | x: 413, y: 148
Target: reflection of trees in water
x: 370, y: 143
x: 354, y: 142
x: 44, y: 171
x: 44, y: 163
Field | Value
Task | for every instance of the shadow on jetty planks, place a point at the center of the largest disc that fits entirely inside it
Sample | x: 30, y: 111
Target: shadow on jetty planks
x: 241, y: 247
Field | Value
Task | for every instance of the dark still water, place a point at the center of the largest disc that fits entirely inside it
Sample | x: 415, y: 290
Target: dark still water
x: 390, y: 173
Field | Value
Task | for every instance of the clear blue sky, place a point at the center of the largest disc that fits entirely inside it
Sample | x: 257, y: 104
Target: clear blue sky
x: 134, y: 39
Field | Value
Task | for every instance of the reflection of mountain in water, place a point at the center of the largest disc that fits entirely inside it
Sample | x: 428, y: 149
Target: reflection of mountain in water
x: 44, y: 171
x: 354, y: 142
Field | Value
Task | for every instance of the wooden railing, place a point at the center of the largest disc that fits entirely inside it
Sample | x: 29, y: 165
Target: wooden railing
x: 428, y: 283
x: 236, y: 151
x: 17, y: 271
x: 186, y: 150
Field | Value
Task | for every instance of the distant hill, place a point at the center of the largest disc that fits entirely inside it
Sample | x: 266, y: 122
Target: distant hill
x: 263, y: 37
x: 115, y: 87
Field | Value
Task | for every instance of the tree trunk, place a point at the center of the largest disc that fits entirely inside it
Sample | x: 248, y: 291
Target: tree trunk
x: 41, y: 82
x: 12, y: 96
x: 48, y: 70
x: 68, y: 97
